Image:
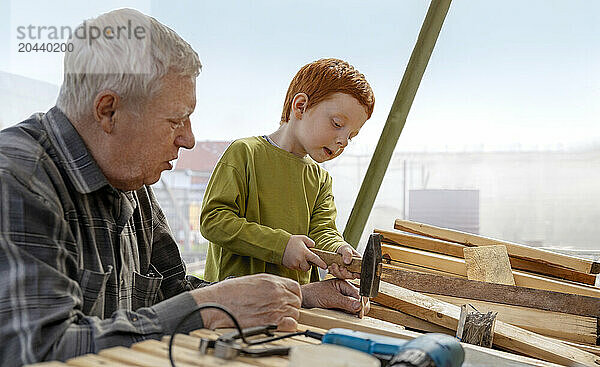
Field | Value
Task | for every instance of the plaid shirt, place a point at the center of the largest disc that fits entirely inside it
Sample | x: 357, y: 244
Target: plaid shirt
x: 83, y: 266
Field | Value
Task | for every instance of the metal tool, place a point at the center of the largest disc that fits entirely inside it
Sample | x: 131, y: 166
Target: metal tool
x: 228, y: 347
x: 369, y: 267
x: 429, y: 350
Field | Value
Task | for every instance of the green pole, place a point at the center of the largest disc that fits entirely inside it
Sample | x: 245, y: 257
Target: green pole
x: 396, y: 119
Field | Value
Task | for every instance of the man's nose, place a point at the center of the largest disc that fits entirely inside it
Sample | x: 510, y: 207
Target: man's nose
x: 185, y: 137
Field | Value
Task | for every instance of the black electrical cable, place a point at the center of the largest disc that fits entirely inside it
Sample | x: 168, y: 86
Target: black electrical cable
x: 197, y: 309
x: 217, y: 306
x: 306, y: 333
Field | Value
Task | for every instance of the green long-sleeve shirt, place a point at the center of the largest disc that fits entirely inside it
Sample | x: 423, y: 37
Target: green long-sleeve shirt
x: 257, y: 197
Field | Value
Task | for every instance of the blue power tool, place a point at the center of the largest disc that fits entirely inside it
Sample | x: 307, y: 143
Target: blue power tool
x: 429, y: 350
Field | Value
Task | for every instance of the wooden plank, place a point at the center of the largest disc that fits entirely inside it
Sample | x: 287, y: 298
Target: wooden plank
x: 47, y: 364
x: 421, y: 243
x: 498, y: 293
x: 574, y: 328
x: 334, y: 258
x: 553, y: 271
x: 94, y: 360
x: 406, y: 320
x: 316, y: 329
x: 331, y: 355
x: 328, y: 319
x: 425, y: 259
x: 488, y: 264
x: 588, y: 348
x: 137, y: 358
x: 505, y: 335
x: 475, y: 355
x: 299, y: 340
x: 193, y: 340
x: 456, y: 250
x: 267, y: 361
x: 564, y: 326
x: 193, y: 343
x: 392, y: 264
x: 457, y: 266
x: 183, y: 355
x: 184, y: 341
x: 514, y: 249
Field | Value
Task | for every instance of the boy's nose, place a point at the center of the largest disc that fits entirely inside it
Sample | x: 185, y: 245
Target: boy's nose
x: 342, y: 142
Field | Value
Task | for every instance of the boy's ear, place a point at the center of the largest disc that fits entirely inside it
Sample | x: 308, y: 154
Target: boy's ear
x: 299, y: 105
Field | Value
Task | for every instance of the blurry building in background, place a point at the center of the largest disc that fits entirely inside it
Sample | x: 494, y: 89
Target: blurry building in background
x: 180, y: 192
x: 454, y: 209
x: 20, y: 97
x: 539, y: 198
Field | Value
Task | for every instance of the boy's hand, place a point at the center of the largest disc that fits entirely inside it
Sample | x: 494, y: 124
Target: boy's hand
x: 297, y: 256
x: 341, y: 272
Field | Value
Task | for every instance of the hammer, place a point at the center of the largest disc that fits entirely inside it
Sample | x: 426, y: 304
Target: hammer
x: 369, y: 267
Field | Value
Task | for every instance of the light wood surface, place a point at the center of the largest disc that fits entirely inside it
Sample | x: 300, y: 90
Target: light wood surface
x: 499, y: 293
x: 477, y: 356
x: 328, y: 319
x: 456, y: 250
x: 514, y: 249
x: 457, y: 266
x: 333, y: 258
x: 94, y: 360
x: 183, y: 355
x: 482, y: 357
x: 137, y: 358
x: 488, y: 264
x: 506, y: 336
x: 588, y: 348
x: 406, y: 320
x: 192, y: 343
x: 563, y: 326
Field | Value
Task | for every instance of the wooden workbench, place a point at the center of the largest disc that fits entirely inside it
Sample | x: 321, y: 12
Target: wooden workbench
x: 154, y: 353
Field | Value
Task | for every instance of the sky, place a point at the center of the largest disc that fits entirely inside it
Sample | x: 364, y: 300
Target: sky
x: 503, y: 75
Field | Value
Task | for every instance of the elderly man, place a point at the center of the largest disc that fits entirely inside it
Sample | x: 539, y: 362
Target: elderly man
x: 87, y: 260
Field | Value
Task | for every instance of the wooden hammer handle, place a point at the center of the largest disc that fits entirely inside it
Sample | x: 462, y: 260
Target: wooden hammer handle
x: 333, y: 258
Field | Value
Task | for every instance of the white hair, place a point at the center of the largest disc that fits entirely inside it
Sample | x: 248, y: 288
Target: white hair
x: 126, y: 52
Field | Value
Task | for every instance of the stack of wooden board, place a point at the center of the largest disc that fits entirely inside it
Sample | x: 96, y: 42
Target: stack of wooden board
x: 553, y: 296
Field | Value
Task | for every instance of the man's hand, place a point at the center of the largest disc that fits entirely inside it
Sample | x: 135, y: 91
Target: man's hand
x: 341, y: 272
x: 332, y: 293
x: 297, y: 256
x: 254, y: 300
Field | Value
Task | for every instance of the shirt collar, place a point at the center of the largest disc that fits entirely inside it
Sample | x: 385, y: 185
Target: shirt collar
x: 72, y: 153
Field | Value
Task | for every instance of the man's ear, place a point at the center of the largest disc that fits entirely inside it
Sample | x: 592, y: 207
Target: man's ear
x: 299, y: 105
x: 105, y: 106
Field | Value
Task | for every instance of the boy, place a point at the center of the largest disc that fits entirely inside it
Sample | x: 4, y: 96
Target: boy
x: 267, y: 202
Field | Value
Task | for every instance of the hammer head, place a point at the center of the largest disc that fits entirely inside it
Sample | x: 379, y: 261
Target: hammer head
x: 370, y: 271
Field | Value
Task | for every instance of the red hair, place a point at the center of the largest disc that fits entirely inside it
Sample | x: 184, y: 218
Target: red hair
x: 322, y: 78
